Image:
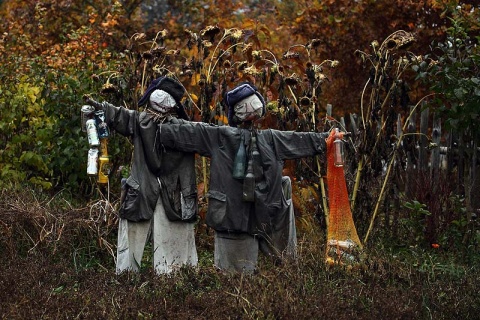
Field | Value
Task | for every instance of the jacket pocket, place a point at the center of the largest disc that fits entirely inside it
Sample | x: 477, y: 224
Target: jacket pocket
x: 189, y: 206
x: 130, y: 206
x: 179, y: 205
x: 217, y: 209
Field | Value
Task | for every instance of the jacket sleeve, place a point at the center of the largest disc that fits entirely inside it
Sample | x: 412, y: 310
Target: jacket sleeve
x: 119, y: 119
x: 294, y: 145
x: 195, y: 137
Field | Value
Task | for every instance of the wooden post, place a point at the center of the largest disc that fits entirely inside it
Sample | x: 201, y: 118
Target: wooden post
x: 423, y: 141
x: 451, y: 150
x: 461, y: 166
x: 475, y: 176
x: 435, y: 156
x: 409, y: 147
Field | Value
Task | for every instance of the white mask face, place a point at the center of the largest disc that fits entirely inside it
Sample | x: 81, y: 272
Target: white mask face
x: 249, y: 108
x: 161, y: 101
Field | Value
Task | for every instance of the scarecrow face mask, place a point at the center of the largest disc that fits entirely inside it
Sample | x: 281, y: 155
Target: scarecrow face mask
x: 248, y: 109
x: 161, y: 101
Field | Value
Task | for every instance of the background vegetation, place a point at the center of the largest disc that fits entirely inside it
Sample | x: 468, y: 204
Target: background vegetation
x: 58, y: 227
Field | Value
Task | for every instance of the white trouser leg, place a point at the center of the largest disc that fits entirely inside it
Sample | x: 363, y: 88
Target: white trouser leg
x: 173, y: 242
x: 132, y: 237
x: 236, y: 252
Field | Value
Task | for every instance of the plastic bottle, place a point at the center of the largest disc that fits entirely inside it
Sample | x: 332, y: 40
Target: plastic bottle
x: 87, y: 112
x: 240, y: 162
x: 249, y: 184
x: 92, y: 133
x: 338, y: 150
x: 104, y: 169
x: 92, y: 162
x: 101, y: 124
x: 257, y: 161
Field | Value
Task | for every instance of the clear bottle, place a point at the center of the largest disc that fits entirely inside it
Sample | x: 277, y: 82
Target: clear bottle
x: 240, y: 162
x: 338, y: 150
x: 249, y: 184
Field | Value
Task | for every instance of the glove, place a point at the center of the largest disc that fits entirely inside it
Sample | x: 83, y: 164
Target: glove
x: 97, y: 105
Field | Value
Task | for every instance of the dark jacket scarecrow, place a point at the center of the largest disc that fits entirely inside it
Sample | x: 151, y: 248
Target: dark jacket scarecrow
x: 227, y: 212
x: 153, y: 164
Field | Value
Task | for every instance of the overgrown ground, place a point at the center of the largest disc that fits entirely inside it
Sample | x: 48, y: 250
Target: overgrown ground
x: 58, y: 264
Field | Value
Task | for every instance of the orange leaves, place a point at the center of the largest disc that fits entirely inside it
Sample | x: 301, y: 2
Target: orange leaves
x: 110, y: 22
x: 92, y: 18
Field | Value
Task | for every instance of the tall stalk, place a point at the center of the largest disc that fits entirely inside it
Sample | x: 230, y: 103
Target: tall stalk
x: 389, y: 170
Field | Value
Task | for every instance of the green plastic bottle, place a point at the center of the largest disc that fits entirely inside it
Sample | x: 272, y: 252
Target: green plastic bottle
x: 240, y: 161
x: 257, y: 162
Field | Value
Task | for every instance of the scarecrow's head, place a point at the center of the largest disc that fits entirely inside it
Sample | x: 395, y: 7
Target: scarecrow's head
x: 164, y: 95
x: 244, y: 103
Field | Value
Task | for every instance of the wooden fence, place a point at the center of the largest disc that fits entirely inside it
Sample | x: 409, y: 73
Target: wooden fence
x: 436, y: 168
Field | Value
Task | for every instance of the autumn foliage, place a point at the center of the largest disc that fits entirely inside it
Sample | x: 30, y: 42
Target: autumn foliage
x: 367, y: 59
x: 301, y: 55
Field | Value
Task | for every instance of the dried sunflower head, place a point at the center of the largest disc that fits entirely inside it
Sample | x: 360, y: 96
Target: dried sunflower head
x: 251, y: 71
x: 192, y: 34
x: 291, y: 55
x: 313, y: 43
x: 162, y: 34
x: 157, y: 51
x: 334, y: 63
x: 257, y: 55
x: 292, y: 80
x: 139, y: 36
x: 158, y: 69
x: 242, y: 65
x: 147, y: 55
x: 305, y: 101
x: 108, y: 88
x: 235, y: 33
x: 210, y: 32
x: 400, y: 40
x: 320, y: 77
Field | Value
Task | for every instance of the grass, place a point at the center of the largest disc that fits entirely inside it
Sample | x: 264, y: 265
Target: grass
x: 58, y: 264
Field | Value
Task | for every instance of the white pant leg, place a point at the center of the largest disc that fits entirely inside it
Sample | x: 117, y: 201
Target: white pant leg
x: 173, y: 242
x: 132, y: 237
x: 236, y: 252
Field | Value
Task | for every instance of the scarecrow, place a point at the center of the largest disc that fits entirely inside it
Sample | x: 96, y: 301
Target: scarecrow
x: 249, y: 201
x: 159, y: 198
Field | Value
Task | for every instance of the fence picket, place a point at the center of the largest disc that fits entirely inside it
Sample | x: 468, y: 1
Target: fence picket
x: 435, y: 154
x: 423, y: 141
